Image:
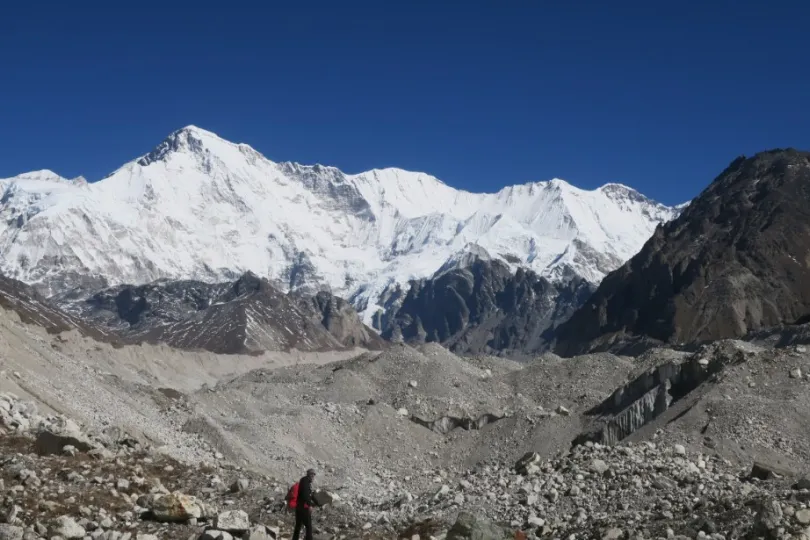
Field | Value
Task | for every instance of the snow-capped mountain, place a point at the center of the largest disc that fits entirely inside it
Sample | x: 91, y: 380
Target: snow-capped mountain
x: 200, y: 207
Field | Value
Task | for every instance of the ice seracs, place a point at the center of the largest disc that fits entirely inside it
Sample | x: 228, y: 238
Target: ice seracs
x: 200, y: 207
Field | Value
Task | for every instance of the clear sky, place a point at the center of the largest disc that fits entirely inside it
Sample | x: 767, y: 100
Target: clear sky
x: 659, y: 96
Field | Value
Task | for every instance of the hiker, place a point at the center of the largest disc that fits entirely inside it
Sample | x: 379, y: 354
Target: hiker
x: 300, y: 499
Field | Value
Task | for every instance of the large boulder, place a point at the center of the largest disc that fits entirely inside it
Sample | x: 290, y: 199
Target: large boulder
x: 474, y: 527
x: 176, y: 507
x: 49, y: 443
x: 234, y: 521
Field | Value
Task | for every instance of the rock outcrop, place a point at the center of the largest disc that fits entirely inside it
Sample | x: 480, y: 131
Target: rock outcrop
x: 485, y: 308
x: 339, y: 318
x: 735, y: 261
x: 33, y: 308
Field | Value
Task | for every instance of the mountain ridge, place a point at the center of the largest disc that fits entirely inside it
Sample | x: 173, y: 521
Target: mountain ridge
x: 196, y: 207
x: 245, y: 316
x: 736, y: 261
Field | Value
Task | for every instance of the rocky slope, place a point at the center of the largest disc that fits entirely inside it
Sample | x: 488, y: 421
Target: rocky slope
x: 481, y: 306
x: 398, y: 436
x: 196, y: 207
x: 735, y: 261
x: 32, y: 308
x: 248, y: 315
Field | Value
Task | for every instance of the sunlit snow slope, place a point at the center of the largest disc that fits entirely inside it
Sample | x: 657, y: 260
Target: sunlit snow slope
x: 200, y: 207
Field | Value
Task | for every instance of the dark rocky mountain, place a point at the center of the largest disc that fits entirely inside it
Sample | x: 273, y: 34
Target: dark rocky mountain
x: 484, y: 308
x: 248, y: 315
x: 32, y: 308
x: 735, y: 261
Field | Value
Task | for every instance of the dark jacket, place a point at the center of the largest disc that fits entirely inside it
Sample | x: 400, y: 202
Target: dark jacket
x: 305, y: 493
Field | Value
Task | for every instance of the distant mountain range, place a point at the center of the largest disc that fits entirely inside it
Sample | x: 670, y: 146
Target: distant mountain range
x: 396, y: 244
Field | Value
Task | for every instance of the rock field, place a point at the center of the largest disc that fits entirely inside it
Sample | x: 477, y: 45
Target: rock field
x: 144, y: 442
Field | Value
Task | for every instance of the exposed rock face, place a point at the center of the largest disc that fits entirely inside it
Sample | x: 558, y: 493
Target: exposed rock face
x: 247, y: 315
x: 735, y: 261
x: 483, y: 307
x: 339, y: 318
x: 648, y: 396
x: 32, y: 308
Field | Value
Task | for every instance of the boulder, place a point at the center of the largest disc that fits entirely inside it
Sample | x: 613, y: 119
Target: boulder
x: 475, y: 527
x: 768, y: 519
x: 322, y: 498
x: 10, y: 532
x: 234, y: 521
x: 769, y: 471
x: 802, y: 483
x: 176, y: 507
x: 240, y: 485
x: 49, y: 443
x: 528, y: 462
x: 260, y: 532
x: 213, y: 534
x: 598, y: 466
x: 66, y: 527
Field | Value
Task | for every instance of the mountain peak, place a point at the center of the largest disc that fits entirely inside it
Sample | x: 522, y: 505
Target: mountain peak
x: 191, y: 139
x: 47, y: 175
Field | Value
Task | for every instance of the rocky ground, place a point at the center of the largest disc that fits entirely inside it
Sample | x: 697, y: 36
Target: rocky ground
x: 407, y: 442
x: 60, y: 482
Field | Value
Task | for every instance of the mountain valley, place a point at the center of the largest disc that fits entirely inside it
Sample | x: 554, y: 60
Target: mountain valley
x: 182, y: 339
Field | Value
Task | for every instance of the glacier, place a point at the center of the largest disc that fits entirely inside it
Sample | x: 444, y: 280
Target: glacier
x: 200, y: 207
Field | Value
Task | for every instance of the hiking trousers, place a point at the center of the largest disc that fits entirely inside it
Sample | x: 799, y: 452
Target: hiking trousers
x: 303, y: 518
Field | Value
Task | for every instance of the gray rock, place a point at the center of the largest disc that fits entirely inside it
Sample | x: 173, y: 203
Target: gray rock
x: 214, y: 534
x: 476, y: 527
x: 10, y: 532
x: 258, y: 532
x: 530, y: 459
x: 613, y: 534
x: 598, y: 466
x: 176, y: 507
x: 769, y: 518
x: 235, y: 521
x: 803, y: 483
x: 322, y: 498
x: 66, y: 527
x: 48, y: 443
x: 240, y: 485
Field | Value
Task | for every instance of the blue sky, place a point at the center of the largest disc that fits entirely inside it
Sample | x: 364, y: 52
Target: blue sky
x: 659, y: 96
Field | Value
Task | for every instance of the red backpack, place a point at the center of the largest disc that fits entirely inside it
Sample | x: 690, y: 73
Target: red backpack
x: 292, y: 497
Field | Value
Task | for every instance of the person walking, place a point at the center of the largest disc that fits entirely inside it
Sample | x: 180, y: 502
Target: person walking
x: 303, y: 503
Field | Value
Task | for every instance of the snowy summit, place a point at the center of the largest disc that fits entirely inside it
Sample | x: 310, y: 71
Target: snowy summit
x: 201, y: 207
